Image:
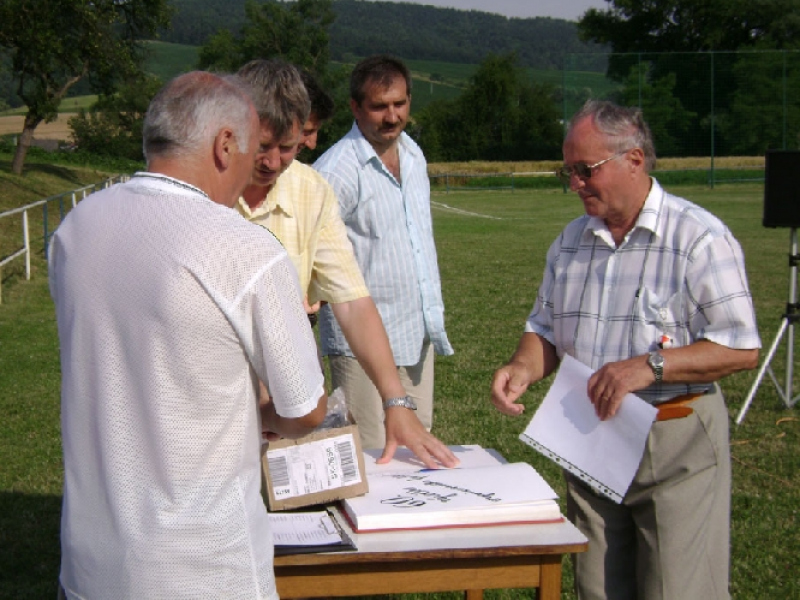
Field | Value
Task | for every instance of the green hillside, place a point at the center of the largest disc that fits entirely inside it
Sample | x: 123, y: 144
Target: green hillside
x: 166, y: 60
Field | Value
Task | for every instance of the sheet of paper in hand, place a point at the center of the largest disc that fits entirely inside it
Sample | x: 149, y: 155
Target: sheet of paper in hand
x: 603, y: 454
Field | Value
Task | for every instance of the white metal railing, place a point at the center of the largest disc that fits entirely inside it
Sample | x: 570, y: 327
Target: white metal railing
x: 74, y: 197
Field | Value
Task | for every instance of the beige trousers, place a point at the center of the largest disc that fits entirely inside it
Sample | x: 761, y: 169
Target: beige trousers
x: 670, y: 537
x: 366, y: 404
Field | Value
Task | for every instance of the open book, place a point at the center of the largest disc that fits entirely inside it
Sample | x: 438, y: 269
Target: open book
x: 505, y: 493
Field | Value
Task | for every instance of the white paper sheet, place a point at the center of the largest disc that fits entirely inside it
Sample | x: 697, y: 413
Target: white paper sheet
x: 565, y: 428
x: 404, y: 461
x: 303, y: 529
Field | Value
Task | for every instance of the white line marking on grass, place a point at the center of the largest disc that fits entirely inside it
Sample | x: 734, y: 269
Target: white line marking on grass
x: 463, y: 212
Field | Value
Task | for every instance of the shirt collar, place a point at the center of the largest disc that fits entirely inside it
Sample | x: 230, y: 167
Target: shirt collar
x: 365, y: 152
x: 648, y: 216
x: 277, y: 199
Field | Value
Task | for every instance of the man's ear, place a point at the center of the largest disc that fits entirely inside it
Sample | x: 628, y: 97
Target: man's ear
x: 636, y: 158
x: 224, y: 148
x: 353, y: 106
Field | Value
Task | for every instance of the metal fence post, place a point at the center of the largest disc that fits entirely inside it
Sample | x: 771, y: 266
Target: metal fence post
x: 26, y: 241
x: 713, y: 123
x: 44, y: 227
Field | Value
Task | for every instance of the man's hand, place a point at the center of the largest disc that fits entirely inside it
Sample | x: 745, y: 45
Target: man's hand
x: 403, y: 428
x: 311, y: 309
x: 700, y: 362
x: 508, y: 384
x: 534, y: 359
x: 611, y: 382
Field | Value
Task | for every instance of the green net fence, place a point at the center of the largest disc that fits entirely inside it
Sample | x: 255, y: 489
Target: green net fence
x: 707, y: 105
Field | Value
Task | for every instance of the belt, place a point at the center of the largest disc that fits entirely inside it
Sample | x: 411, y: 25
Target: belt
x: 677, y: 408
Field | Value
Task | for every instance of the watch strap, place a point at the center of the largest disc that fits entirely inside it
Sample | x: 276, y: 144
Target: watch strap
x: 403, y: 401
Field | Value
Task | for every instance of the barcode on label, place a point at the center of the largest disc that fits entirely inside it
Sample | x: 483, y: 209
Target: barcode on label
x: 346, y: 454
x: 278, y: 470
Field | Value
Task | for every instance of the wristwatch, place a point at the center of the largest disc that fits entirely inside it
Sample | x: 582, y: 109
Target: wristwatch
x: 404, y: 401
x: 656, y: 362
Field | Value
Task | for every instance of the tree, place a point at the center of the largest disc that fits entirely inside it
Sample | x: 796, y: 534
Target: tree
x: 676, y: 38
x: 668, y: 120
x: 764, y: 112
x: 113, y: 126
x: 500, y: 116
x: 54, y: 44
x: 692, y: 25
x: 295, y: 31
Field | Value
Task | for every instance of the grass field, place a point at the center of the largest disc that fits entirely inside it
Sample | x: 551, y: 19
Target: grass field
x: 490, y: 270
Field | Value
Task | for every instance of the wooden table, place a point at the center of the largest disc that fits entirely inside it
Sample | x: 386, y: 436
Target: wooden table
x: 469, y: 559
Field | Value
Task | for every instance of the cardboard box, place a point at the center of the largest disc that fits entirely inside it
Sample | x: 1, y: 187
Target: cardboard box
x: 321, y: 467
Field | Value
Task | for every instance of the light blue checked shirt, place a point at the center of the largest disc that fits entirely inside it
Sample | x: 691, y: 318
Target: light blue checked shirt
x: 389, y: 225
x: 679, y: 272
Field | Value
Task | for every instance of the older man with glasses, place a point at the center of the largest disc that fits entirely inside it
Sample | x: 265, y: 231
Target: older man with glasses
x: 650, y: 291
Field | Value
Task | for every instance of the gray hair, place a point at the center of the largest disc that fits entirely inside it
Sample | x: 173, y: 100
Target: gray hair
x: 624, y: 127
x: 187, y: 113
x: 280, y: 95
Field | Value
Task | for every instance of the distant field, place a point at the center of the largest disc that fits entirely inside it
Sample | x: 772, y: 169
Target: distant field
x: 69, y: 105
x: 667, y: 164
x: 57, y: 130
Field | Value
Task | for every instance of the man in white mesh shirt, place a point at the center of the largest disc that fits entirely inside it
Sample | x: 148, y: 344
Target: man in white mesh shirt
x: 170, y: 307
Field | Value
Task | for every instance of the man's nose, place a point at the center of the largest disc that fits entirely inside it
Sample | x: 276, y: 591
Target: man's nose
x: 576, y: 182
x: 269, y: 159
x: 311, y: 141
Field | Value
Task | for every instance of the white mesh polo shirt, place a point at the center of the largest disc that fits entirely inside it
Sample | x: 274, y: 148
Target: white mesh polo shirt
x: 168, y: 307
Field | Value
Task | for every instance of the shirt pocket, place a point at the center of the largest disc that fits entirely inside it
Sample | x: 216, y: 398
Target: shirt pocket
x: 365, y: 219
x: 658, y: 321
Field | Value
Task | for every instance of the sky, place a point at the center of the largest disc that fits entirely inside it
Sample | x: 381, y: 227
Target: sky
x: 571, y: 10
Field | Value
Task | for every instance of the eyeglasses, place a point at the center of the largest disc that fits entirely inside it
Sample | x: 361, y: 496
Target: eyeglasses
x: 582, y: 170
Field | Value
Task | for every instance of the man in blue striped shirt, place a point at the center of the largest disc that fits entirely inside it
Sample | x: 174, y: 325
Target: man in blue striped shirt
x: 381, y: 180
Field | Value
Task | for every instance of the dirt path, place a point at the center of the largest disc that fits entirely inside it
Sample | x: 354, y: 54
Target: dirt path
x: 57, y: 130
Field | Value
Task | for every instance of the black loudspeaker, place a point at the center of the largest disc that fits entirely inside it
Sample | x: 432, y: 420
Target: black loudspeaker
x: 782, y: 188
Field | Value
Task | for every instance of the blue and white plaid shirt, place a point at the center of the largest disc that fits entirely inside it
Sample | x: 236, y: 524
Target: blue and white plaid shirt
x: 389, y: 225
x: 678, y: 273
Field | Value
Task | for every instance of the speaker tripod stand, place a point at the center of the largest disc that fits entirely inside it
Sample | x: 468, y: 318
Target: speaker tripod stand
x: 788, y: 321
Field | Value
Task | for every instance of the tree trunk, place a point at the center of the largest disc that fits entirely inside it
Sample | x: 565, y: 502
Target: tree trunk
x: 24, y: 143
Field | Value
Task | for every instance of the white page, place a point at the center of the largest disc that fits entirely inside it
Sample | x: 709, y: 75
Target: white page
x: 565, y: 428
x: 303, y: 529
x: 405, y: 461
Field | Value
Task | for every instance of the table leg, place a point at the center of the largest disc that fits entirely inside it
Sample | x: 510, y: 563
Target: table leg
x: 550, y: 582
x: 473, y: 595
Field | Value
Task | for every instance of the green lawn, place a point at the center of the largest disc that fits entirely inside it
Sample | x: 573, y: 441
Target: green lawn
x: 490, y: 271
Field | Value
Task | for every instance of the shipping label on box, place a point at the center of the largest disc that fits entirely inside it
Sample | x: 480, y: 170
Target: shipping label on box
x: 321, y: 467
